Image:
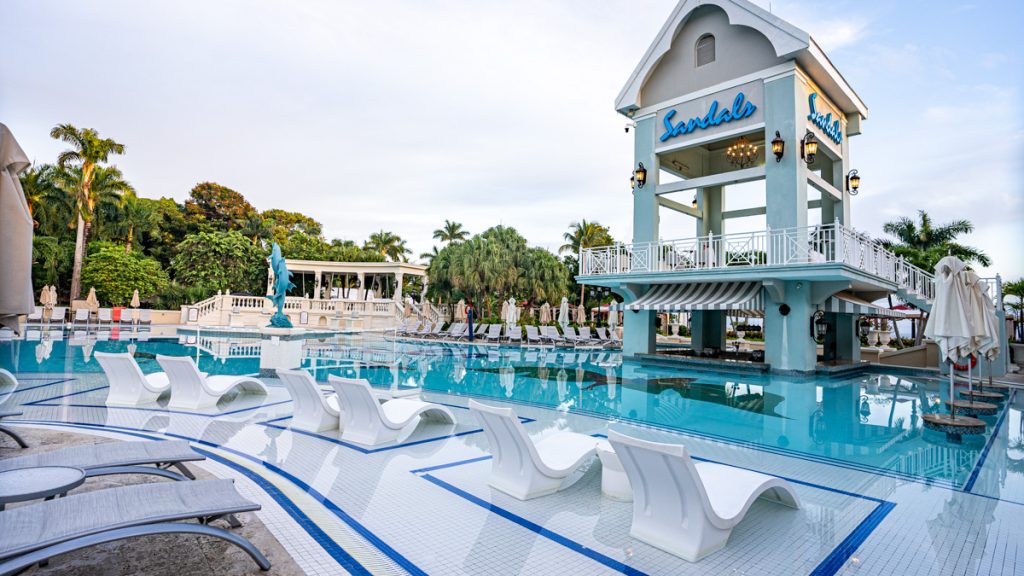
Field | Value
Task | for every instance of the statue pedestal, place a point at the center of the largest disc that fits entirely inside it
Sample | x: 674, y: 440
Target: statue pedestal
x: 280, y: 348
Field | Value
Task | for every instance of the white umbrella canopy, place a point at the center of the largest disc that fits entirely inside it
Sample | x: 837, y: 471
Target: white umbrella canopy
x: 613, y: 315
x: 135, y: 299
x: 986, y: 344
x: 460, y: 311
x: 513, y: 313
x: 504, y: 310
x: 563, y: 312
x: 581, y: 314
x: 545, y: 313
x: 950, y: 324
x: 16, y: 296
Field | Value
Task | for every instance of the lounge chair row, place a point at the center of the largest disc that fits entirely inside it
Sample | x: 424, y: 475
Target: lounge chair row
x: 190, y: 389
x: 34, y: 533
x: 83, y: 316
x: 458, y: 331
x: 683, y: 506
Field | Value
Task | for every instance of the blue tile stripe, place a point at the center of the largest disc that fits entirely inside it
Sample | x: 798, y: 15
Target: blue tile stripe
x: 162, y: 410
x: 838, y: 557
x: 40, y: 401
x: 343, y: 558
x: 988, y: 445
x: 364, y: 450
x: 40, y: 385
x: 360, y: 529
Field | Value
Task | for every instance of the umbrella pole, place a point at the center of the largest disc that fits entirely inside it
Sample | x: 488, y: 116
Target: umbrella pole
x: 952, y: 406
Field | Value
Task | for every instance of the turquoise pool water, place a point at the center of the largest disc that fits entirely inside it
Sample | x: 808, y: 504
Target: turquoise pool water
x: 864, y: 422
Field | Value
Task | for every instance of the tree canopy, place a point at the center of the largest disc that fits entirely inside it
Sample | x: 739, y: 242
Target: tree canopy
x: 116, y: 274
x: 923, y: 244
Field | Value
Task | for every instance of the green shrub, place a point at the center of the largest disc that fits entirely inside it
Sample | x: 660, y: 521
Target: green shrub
x: 116, y: 274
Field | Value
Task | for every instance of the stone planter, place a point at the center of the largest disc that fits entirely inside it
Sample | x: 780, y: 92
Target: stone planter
x: 675, y: 329
x: 885, y: 338
x: 872, y: 338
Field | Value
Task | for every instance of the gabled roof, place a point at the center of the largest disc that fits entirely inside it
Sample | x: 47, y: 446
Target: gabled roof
x: 788, y: 41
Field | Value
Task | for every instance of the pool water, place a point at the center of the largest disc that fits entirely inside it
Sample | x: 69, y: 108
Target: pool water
x: 867, y: 422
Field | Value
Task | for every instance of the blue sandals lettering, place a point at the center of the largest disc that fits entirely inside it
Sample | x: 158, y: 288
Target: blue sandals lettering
x: 740, y: 109
x: 830, y: 127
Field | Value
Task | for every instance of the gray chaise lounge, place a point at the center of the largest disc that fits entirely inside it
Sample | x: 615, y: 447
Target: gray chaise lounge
x: 34, y: 533
x: 116, y: 458
x: 8, y: 431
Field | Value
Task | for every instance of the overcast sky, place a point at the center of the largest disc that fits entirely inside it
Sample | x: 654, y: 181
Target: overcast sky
x: 396, y: 115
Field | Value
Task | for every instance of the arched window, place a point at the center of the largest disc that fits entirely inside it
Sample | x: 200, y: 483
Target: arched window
x: 705, y: 49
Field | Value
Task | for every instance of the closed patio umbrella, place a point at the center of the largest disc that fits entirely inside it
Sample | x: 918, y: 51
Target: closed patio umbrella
x: 460, y: 311
x: 91, y: 300
x: 951, y: 325
x: 135, y: 299
x: 613, y: 315
x: 563, y: 312
x: 16, y: 296
x: 545, y: 313
x: 504, y: 310
x: 987, y: 343
x: 581, y: 315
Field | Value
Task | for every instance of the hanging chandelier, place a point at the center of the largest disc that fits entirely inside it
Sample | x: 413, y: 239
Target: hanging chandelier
x: 742, y: 153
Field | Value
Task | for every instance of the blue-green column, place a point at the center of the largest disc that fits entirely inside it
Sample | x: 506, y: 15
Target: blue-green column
x: 708, y: 327
x: 638, y: 336
x: 787, y: 338
x: 786, y: 181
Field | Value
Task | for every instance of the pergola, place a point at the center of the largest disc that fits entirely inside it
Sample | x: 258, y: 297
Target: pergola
x: 348, y: 276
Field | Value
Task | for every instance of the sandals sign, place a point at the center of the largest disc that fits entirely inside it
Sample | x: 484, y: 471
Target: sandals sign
x: 741, y: 109
x: 829, y: 127
x: 700, y: 118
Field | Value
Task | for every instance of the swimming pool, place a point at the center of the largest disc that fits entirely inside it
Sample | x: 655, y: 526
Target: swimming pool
x: 868, y: 422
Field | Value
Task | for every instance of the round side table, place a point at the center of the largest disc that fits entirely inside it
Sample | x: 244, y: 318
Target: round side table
x: 23, y: 484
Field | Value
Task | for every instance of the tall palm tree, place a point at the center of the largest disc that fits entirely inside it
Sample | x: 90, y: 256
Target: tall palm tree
x: 86, y: 154
x: 258, y: 228
x: 136, y: 220
x: 429, y: 256
x: 923, y: 244
x: 388, y: 245
x: 451, y: 232
x: 1016, y: 289
x: 582, y: 235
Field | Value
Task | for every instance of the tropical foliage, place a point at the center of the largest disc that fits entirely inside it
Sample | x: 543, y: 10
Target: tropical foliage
x: 451, y: 232
x: 582, y: 235
x: 923, y: 244
x: 1013, y: 296
x: 493, y: 266
x: 220, y: 261
x: 116, y: 274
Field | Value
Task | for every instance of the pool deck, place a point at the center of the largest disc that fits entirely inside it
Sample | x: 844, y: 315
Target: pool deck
x: 423, y: 506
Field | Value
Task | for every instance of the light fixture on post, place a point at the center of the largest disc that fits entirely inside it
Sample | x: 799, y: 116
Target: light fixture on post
x: 632, y: 182
x: 742, y: 153
x: 778, y: 146
x: 853, y: 182
x: 694, y: 203
x: 808, y: 147
x: 819, y: 326
x: 640, y: 174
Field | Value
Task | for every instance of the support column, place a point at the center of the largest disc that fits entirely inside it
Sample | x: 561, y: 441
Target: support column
x: 787, y: 337
x: 707, y: 327
x: 361, y: 290
x: 317, y: 284
x: 638, y: 333
x: 399, y: 278
x: 785, y: 110
x: 847, y: 338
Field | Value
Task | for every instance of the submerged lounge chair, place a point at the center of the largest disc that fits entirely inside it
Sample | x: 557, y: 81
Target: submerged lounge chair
x: 34, y: 533
x: 312, y: 410
x: 107, y: 458
x: 191, y: 389
x: 365, y: 420
x: 128, y: 385
x: 526, y: 470
x: 8, y: 379
x: 689, y: 508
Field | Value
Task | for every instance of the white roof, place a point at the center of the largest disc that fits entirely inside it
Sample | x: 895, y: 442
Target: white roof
x: 788, y: 41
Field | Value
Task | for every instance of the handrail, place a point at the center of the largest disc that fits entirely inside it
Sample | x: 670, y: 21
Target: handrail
x: 827, y: 243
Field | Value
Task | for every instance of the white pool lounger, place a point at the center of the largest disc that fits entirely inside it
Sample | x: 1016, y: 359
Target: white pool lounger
x: 191, y: 389
x: 689, y: 508
x: 311, y: 409
x: 526, y: 470
x: 365, y: 420
x: 128, y: 385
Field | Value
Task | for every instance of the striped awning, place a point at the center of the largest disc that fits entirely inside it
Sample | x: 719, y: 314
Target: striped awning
x: 846, y: 303
x: 706, y: 296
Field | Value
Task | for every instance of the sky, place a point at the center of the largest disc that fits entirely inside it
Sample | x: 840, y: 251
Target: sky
x: 397, y: 115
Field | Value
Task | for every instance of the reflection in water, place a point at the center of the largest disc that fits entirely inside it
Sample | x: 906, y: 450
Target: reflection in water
x: 872, y: 420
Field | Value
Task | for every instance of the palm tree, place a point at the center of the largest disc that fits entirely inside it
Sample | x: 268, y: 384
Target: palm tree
x: 136, y: 220
x: 923, y: 244
x: 429, y: 256
x: 258, y: 228
x: 452, y: 232
x: 1016, y: 289
x: 388, y: 245
x: 87, y: 151
x: 582, y: 235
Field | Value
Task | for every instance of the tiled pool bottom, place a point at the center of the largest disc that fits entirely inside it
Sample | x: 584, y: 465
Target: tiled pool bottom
x: 422, y: 505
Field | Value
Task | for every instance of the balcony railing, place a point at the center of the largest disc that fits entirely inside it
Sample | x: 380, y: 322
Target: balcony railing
x: 827, y: 243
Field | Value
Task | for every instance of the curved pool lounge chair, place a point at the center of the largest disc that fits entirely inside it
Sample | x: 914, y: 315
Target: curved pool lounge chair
x: 311, y: 409
x: 128, y: 385
x: 689, y: 508
x: 34, y: 533
x: 526, y: 470
x: 107, y: 458
x: 365, y: 420
x: 191, y: 389
x: 9, y: 383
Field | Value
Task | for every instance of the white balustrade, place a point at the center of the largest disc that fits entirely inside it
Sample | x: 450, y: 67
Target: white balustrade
x: 827, y: 243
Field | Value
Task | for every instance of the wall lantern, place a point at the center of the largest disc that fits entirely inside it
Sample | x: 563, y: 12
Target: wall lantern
x: 853, y: 182
x: 809, y: 147
x: 632, y: 182
x: 641, y: 175
x: 778, y: 146
x: 819, y: 326
x: 864, y: 326
x: 694, y: 203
